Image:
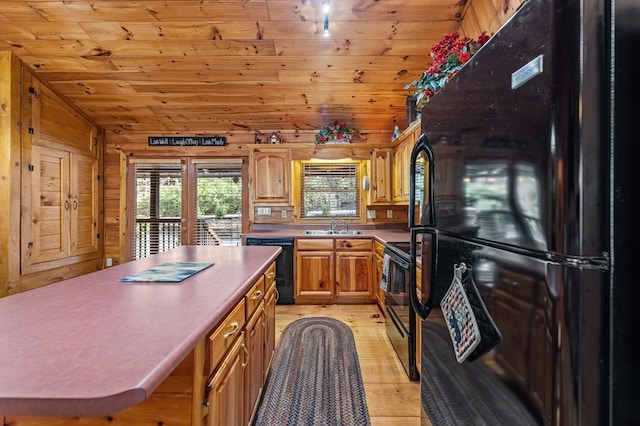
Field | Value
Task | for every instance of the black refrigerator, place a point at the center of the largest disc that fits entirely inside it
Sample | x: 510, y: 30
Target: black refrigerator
x: 524, y: 174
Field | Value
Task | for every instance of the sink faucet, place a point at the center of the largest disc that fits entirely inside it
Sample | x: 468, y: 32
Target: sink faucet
x: 334, y: 224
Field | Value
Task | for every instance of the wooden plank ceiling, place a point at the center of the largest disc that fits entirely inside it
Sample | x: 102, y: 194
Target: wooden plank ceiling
x: 179, y: 66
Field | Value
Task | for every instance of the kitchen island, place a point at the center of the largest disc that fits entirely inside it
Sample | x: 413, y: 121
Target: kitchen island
x: 93, y: 345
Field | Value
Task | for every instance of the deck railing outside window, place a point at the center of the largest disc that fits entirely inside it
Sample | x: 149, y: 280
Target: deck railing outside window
x: 158, y: 235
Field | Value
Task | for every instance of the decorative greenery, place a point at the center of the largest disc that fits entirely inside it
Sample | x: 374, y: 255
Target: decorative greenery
x: 336, y: 130
x: 449, y: 55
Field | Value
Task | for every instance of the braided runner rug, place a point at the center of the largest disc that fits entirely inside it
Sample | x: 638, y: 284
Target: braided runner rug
x: 315, y: 377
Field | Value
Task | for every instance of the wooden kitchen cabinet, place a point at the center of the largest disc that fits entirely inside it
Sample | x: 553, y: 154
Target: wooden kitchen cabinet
x: 234, y: 389
x: 254, y: 370
x: 270, y: 176
x: 269, y: 324
x: 354, y: 269
x: 328, y: 274
x: 401, y: 162
x: 226, y: 390
x: 380, y: 192
x: 315, y: 275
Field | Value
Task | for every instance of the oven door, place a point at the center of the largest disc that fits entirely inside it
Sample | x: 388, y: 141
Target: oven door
x: 400, y: 320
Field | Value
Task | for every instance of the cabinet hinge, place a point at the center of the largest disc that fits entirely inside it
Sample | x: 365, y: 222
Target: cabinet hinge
x: 30, y: 167
x: 205, y: 409
x: 31, y: 131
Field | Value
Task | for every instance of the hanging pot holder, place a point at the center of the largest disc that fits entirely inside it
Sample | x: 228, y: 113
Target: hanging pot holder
x: 461, y: 322
x: 472, y: 330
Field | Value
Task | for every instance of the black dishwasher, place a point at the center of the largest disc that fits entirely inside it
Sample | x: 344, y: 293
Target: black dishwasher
x: 284, y: 266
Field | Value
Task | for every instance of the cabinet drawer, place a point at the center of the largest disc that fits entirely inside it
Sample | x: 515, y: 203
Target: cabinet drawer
x: 379, y: 248
x: 269, y: 276
x: 354, y: 244
x: 254, y: 297
x: 225, y: 334
x: 314, y: 244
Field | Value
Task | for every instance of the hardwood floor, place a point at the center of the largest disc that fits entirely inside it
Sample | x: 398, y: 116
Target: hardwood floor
x: 392, y: 399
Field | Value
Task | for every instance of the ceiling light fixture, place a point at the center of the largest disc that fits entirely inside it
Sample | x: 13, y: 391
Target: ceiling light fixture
x: 325, y: 10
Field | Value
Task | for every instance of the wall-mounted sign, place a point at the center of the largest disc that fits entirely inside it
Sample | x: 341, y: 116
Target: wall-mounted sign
x: 187, y: 140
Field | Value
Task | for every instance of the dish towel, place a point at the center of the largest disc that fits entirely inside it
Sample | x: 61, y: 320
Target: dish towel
x: 384, y: 280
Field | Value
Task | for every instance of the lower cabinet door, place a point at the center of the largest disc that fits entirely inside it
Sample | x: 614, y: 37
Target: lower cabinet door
x: 254, y: 373
x: 226, y: 389
x: 270, y: 329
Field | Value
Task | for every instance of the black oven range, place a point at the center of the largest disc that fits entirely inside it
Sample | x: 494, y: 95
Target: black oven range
x: 400, y: 318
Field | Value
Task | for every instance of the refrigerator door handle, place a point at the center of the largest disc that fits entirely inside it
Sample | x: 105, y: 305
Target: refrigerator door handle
x: 422, y: 145
x: 422, y: 310
x: 426, y: 226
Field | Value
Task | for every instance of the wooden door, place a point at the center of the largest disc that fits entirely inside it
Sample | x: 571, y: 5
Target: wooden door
x: 84, y: 204
x: 270, y: 176
x: 226, y: 395
x: 380, y: 176
x: 56, y: 124
x: 270, y: 328
x: 354, y: 272
x: 398, y: 169
x: 254, y: 373
x: 315, y: 274
x: 46, y: 207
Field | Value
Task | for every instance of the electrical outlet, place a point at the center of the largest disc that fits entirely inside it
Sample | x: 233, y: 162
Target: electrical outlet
x: 284, y: 214
x: 264, y: 211
x: 389, y: 214
x: 108, y: 262
x: 371, y: 214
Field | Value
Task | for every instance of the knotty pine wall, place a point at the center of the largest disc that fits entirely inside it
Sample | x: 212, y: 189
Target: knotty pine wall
x: 478, y: 16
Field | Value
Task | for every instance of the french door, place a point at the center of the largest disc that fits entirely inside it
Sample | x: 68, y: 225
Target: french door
x: 185, y: 201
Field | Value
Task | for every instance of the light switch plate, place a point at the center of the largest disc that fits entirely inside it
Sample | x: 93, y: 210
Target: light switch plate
x: 371, y: 214
x: 389, y: 214
x: 264, y: 211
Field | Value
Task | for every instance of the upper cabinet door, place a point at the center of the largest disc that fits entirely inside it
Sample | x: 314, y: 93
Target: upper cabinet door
x: 380, y: 176
x: 270, y: 176
x: 54, y: 123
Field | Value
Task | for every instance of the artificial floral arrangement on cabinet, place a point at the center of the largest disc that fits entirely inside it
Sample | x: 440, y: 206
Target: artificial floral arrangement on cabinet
x: 449, y: 56
x: 336, y: 132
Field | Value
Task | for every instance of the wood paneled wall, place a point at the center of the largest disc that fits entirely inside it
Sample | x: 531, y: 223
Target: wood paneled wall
x: 478, y: 16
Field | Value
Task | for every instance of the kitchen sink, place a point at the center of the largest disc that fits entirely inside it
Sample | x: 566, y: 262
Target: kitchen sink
x: 329, y: 232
